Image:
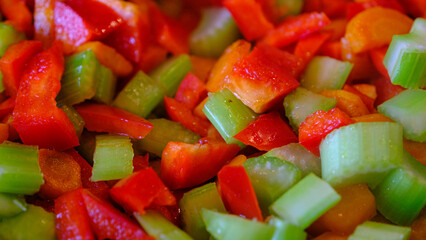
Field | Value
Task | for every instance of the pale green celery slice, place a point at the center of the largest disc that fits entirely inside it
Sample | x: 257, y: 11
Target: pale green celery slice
x: 107, y: 82
x: 380, y: 231
x: 11, y: 205
x: 75, y: 118
x: 8, y: 36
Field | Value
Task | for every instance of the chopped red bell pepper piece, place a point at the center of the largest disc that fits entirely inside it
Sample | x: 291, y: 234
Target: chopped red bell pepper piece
x: 260, y: 79
x: 316, y: 127
x: 72, y: 219
x: 354, y: 8
x: 18, y: 12
x: 102, y: 19
x: 13, y: 134
x: 104, y: 118
x: 139, y: 190
x: 140, y: 162
x: 369, y: 102
x: 99, y: 189
x: 306, y: 48
x: 332, y: 8
x: 152, y: 57
x: 295, y: 28
x: 416, y: 8
x: 250, y: 18
x: 238, y: 193
x: 4, y: 132
x: 332, y: 49
x: 386, y: 90
x: 6, y: 107
x: 191, y: 90
x: 377, y: 55
x: 109, y: 223
x: 14, y: 61
x: 267, y: 132
x: 186, y: 165
x: 36, y: 117
x: 179, y: 112
x: 44, y: 23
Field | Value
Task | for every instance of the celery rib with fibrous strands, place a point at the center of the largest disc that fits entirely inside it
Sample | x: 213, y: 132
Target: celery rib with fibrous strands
x: 402, y: 194
x: 191, y: 204
x: 215, y: 32
x: 11, y: 205
x: 230, y: 227
x: 107, y: 82
x: 75, y: 118
x: 228, y: 114
x: 163, y: 132
x: 156, y: 225
x: 361, y: 153
x: 113, y: 158
x: 380, y: 231
x: 285, y: 230
x: 301, y: 103
x: 306, y: 201
x: 19, y: 169
x: 408, y: 109
x: 325, y: 73
x: 271, y: 177
x: 80, y: 80
x: 8, y: 36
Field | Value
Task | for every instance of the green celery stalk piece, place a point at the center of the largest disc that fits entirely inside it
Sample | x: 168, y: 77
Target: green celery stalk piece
x: 402, y: 194
x: 306, y: 201
x: 271, y: 177
x: 140, y: 96
x: 192, y: 202
x: 156, y: 225
x: 361, y: 153
x: 8, y: 36
x: 171, y: 73
x: 11, y: 205
x: 107, y: 82
x: 408, y: 109
x: 293, y: 7
x: 323, y: 73
x: 405, y: 60
x: 163, y: 132
x: 113, y: 158
x: 87, y: 145
x: 75, y: 118
x: 419, y: 27
x: 298, y: 155
x: 380, y: 231
x: 286, y: 231
x: 228, y: 114
x: 215, y: 32
x: 19, y: 169
x: 230, y: 227
x: 79, y: 81
x: 301, y: 103
x: 35, y: 223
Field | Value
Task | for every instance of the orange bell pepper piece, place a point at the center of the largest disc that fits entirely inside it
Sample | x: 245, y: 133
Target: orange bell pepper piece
x: 348, y: 102
x: 368, y: 90
x: 416, y: 149
x: 202, y: 66
x: 375, y: 117
x: 17, y: 12
x: 331, y: 236
x: 418, y: 228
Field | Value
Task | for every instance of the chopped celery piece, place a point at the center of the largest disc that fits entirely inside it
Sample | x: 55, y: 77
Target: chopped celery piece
x: 11, y: 205
x: 361, y: 153
x: 284, y: 230
x: 171, y: 73
x: 292, y: 7
x: 228, y: 114
x: 140, y: 96
x: 215, y: 32
x: 408, y: 109
x: 306, y: 201
x: 113, y: 158
x: 79, y: 81
x: 8, y: 36
x: 35, y: 223
x: 191, y: 204
x: 75, y: 118
x: 230, y: 227
x: 163, y: 132
x: 271, y: 177
x: 1, y: 83
x: 402, y: 194
x: 87, y: 145
x: 301, y: 103
x: 19, y: 169
x: 380, y: 231
x: 107, y: 82
x: 299, y: 156
x: 419, y: 27
x: 325, y: 73
x: 405, y: 60
x: 156, y: 225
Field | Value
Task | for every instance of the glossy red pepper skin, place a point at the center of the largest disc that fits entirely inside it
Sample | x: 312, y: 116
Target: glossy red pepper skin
x: 191, y: 91
x: 354, y: 8
x: 6, y: 107
x: 238, y: 193
x: 267, y: 132
x: 139, y: 190
x: 72, y: 219
x: 37, y: 119
x: 186, y: 165
x: 104, y: 118
x: 14, y: 61
x: 109, y: 223
x: 377, y: 55
x: 306, y: 48
x: 318, y: 125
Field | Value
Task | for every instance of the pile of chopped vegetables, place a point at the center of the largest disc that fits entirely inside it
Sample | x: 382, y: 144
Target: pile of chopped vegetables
x: 212, y: 119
